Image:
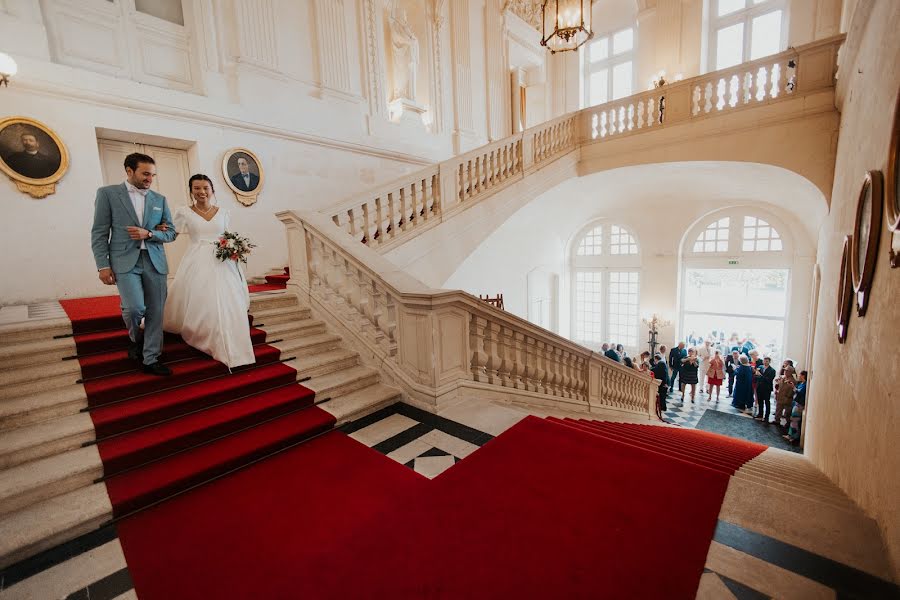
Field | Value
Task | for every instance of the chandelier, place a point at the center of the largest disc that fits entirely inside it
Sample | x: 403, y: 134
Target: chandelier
x: 566, y: 24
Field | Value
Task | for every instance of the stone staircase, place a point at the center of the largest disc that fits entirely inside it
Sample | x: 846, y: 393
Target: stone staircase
x: 49, y: 466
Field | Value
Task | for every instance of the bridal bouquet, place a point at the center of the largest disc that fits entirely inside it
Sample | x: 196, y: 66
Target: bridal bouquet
x: 231, y: 246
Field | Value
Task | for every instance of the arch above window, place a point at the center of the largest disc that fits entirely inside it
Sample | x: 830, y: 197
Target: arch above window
x: 736, y: 231
x: 609, y: 240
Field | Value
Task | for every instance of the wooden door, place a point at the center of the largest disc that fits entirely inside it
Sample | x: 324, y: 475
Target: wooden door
x: 172, y: 173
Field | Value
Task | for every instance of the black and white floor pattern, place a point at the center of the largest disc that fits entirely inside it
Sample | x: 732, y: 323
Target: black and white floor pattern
x: 422, y: 441
x: 687, y: 414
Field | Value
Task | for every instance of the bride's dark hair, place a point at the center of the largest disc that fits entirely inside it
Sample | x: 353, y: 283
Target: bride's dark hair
x: 200, y: 177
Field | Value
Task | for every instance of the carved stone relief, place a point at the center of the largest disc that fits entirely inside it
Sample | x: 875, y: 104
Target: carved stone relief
x: 527, y: 10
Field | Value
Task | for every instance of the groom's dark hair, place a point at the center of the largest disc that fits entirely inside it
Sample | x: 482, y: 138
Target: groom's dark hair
x: 132, y: 160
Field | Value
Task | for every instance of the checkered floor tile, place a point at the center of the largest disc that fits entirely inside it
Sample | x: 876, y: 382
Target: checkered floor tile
x: 688, y: 414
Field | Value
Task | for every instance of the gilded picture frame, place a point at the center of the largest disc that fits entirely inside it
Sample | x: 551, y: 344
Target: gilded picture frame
x: 866, y: 237
x: 892, y: 186
x: 244, y: 174
x: 844, y: 292
x: 32, y: 155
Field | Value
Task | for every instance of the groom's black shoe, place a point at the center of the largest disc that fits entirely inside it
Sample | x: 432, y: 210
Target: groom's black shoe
x: 157, y: 368
x: 136, y: 351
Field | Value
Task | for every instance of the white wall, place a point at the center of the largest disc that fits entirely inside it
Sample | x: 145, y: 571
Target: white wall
x: 658, y: 204
x: 303, y: 84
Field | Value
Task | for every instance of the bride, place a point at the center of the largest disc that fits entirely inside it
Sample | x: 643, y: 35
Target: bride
x: 209, y: 299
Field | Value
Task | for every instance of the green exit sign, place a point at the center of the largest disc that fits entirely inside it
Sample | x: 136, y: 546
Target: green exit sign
x: 732, y: 261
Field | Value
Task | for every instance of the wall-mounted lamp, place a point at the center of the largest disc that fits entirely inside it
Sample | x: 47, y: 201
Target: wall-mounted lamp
x: 8, y: 68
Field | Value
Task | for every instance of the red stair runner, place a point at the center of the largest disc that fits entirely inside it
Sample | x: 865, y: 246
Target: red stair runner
x: 159, y: 436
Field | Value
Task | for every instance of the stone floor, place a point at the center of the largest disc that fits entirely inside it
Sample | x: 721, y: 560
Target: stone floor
x: 772, y: 552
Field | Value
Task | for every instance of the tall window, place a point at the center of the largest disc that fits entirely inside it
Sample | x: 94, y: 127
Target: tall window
x: 606, y: 286
x: 744, y: 30
x: 609, y: 67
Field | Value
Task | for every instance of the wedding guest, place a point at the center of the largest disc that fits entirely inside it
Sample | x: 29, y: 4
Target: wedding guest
x: 799, y: 404
x: 645, y: 361
x: 661, y: 373
x: 689, y: 369
x: 743, y: 385
x: 784, y: 394
x: 764, y: 383
x: 704, y: 353
x: 675, y: 357
x: 731, y: 365
x: 715, y: 374
x: 612, y: 354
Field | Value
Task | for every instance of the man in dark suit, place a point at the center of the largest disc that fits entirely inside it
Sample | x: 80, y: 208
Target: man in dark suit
x: 244, y: 180
x: 611, y: 353
x: 661, y: 373
x: 675, y: 356
x: 31, y: 162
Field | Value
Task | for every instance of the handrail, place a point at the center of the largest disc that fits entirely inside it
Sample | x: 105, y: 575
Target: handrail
x: 395, y: 212
x: 435, y: 343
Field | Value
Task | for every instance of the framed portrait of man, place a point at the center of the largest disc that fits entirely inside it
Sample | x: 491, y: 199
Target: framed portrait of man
x: 32, y: 155
x: 243, y: 173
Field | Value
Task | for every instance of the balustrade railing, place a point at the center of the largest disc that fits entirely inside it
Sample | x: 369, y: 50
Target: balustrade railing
x: 435, y: 342
x: 382, y: 217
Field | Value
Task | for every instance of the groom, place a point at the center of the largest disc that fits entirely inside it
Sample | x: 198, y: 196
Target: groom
x: 129, y: 253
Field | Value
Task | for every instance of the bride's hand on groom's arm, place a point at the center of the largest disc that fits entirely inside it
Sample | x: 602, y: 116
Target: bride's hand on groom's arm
x: 162, y: 226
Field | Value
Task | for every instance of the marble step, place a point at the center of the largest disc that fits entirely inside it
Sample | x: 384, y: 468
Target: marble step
x: 46, y: 524
x: 323, y: 363
x: 41, y: 406
x: 361, y: 402
x: 812, y: 487
x: 829, y: 497
x: 40, y: 480
x: 33, y: 331
x: 270, y: 300
x: 342, y: 382
x: 40, y: 440
x: 41, y: 352
x: 307, y: 345
x: 284, y: 314
x: 26, y: 380
x: 294, y: 329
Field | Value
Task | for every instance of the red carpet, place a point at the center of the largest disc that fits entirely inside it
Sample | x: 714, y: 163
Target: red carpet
x: 546, y: 510
x: 158, y: 436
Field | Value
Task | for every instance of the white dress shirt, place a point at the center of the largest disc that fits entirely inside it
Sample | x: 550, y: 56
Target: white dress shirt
x: 137, y: 200
x: 247, y: 180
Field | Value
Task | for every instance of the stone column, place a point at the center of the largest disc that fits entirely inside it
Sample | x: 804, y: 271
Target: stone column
x: 496, y: 50
x: 373, y: 28
x: 435, y: 25
x: 463, y: 123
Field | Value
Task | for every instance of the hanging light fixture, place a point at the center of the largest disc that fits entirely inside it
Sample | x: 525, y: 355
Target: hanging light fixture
x: 566, y: 24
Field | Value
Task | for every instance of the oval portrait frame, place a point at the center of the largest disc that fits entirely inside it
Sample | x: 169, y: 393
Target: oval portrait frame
x: 244, y: 197
x: 862, y: 268
x: 36, y: 187
x: 844, y: 291
x: 891, y: 187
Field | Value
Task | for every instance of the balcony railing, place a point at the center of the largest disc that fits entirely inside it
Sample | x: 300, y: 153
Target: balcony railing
x: 393, y: 213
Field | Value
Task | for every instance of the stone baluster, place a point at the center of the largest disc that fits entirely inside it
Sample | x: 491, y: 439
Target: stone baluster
x: 552, y: 385
x: 379, y: 219
x: 517, y: 373
x: 491, y: 342
x: 477, y: 328
x: 779, y: 82
x: 366, y: 224
x: 470, y: 190
x: 390, y: 326
x: 377, y: 312
x: 435, y: 194
x: 392, y: 215
x: 503, y: 352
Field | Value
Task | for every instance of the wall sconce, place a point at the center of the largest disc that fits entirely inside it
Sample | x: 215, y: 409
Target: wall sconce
x: 8, y: 68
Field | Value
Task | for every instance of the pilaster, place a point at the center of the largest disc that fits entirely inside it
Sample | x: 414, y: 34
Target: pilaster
x: 333, y: 55
x: 464, y: 136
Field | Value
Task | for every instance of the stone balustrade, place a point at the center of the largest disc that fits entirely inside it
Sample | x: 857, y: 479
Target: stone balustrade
x: 440, y: 344
x: 770, y: 79
x: 396, y: 212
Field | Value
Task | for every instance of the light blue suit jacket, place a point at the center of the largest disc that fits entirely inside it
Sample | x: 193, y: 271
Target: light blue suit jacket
x: 113, y: 212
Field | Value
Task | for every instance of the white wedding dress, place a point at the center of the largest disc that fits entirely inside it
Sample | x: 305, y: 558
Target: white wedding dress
x: 209, y: 299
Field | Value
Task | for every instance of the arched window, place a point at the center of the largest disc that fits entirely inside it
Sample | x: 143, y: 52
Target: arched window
x: 759, y: 236
x: 606, y: 286
x: 735, y: 280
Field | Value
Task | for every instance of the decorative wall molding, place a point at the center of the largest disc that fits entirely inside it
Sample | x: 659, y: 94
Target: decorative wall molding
x: 256, y: 33
x: 374, y: 51
x: 435, y: 23
x: 331, y: 35
x: 462, y: 71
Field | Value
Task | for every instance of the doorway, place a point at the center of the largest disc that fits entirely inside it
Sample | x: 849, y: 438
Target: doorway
x: 171, y: 181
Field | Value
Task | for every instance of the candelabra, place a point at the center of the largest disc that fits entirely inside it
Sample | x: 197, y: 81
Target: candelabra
x: 654, y: 322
